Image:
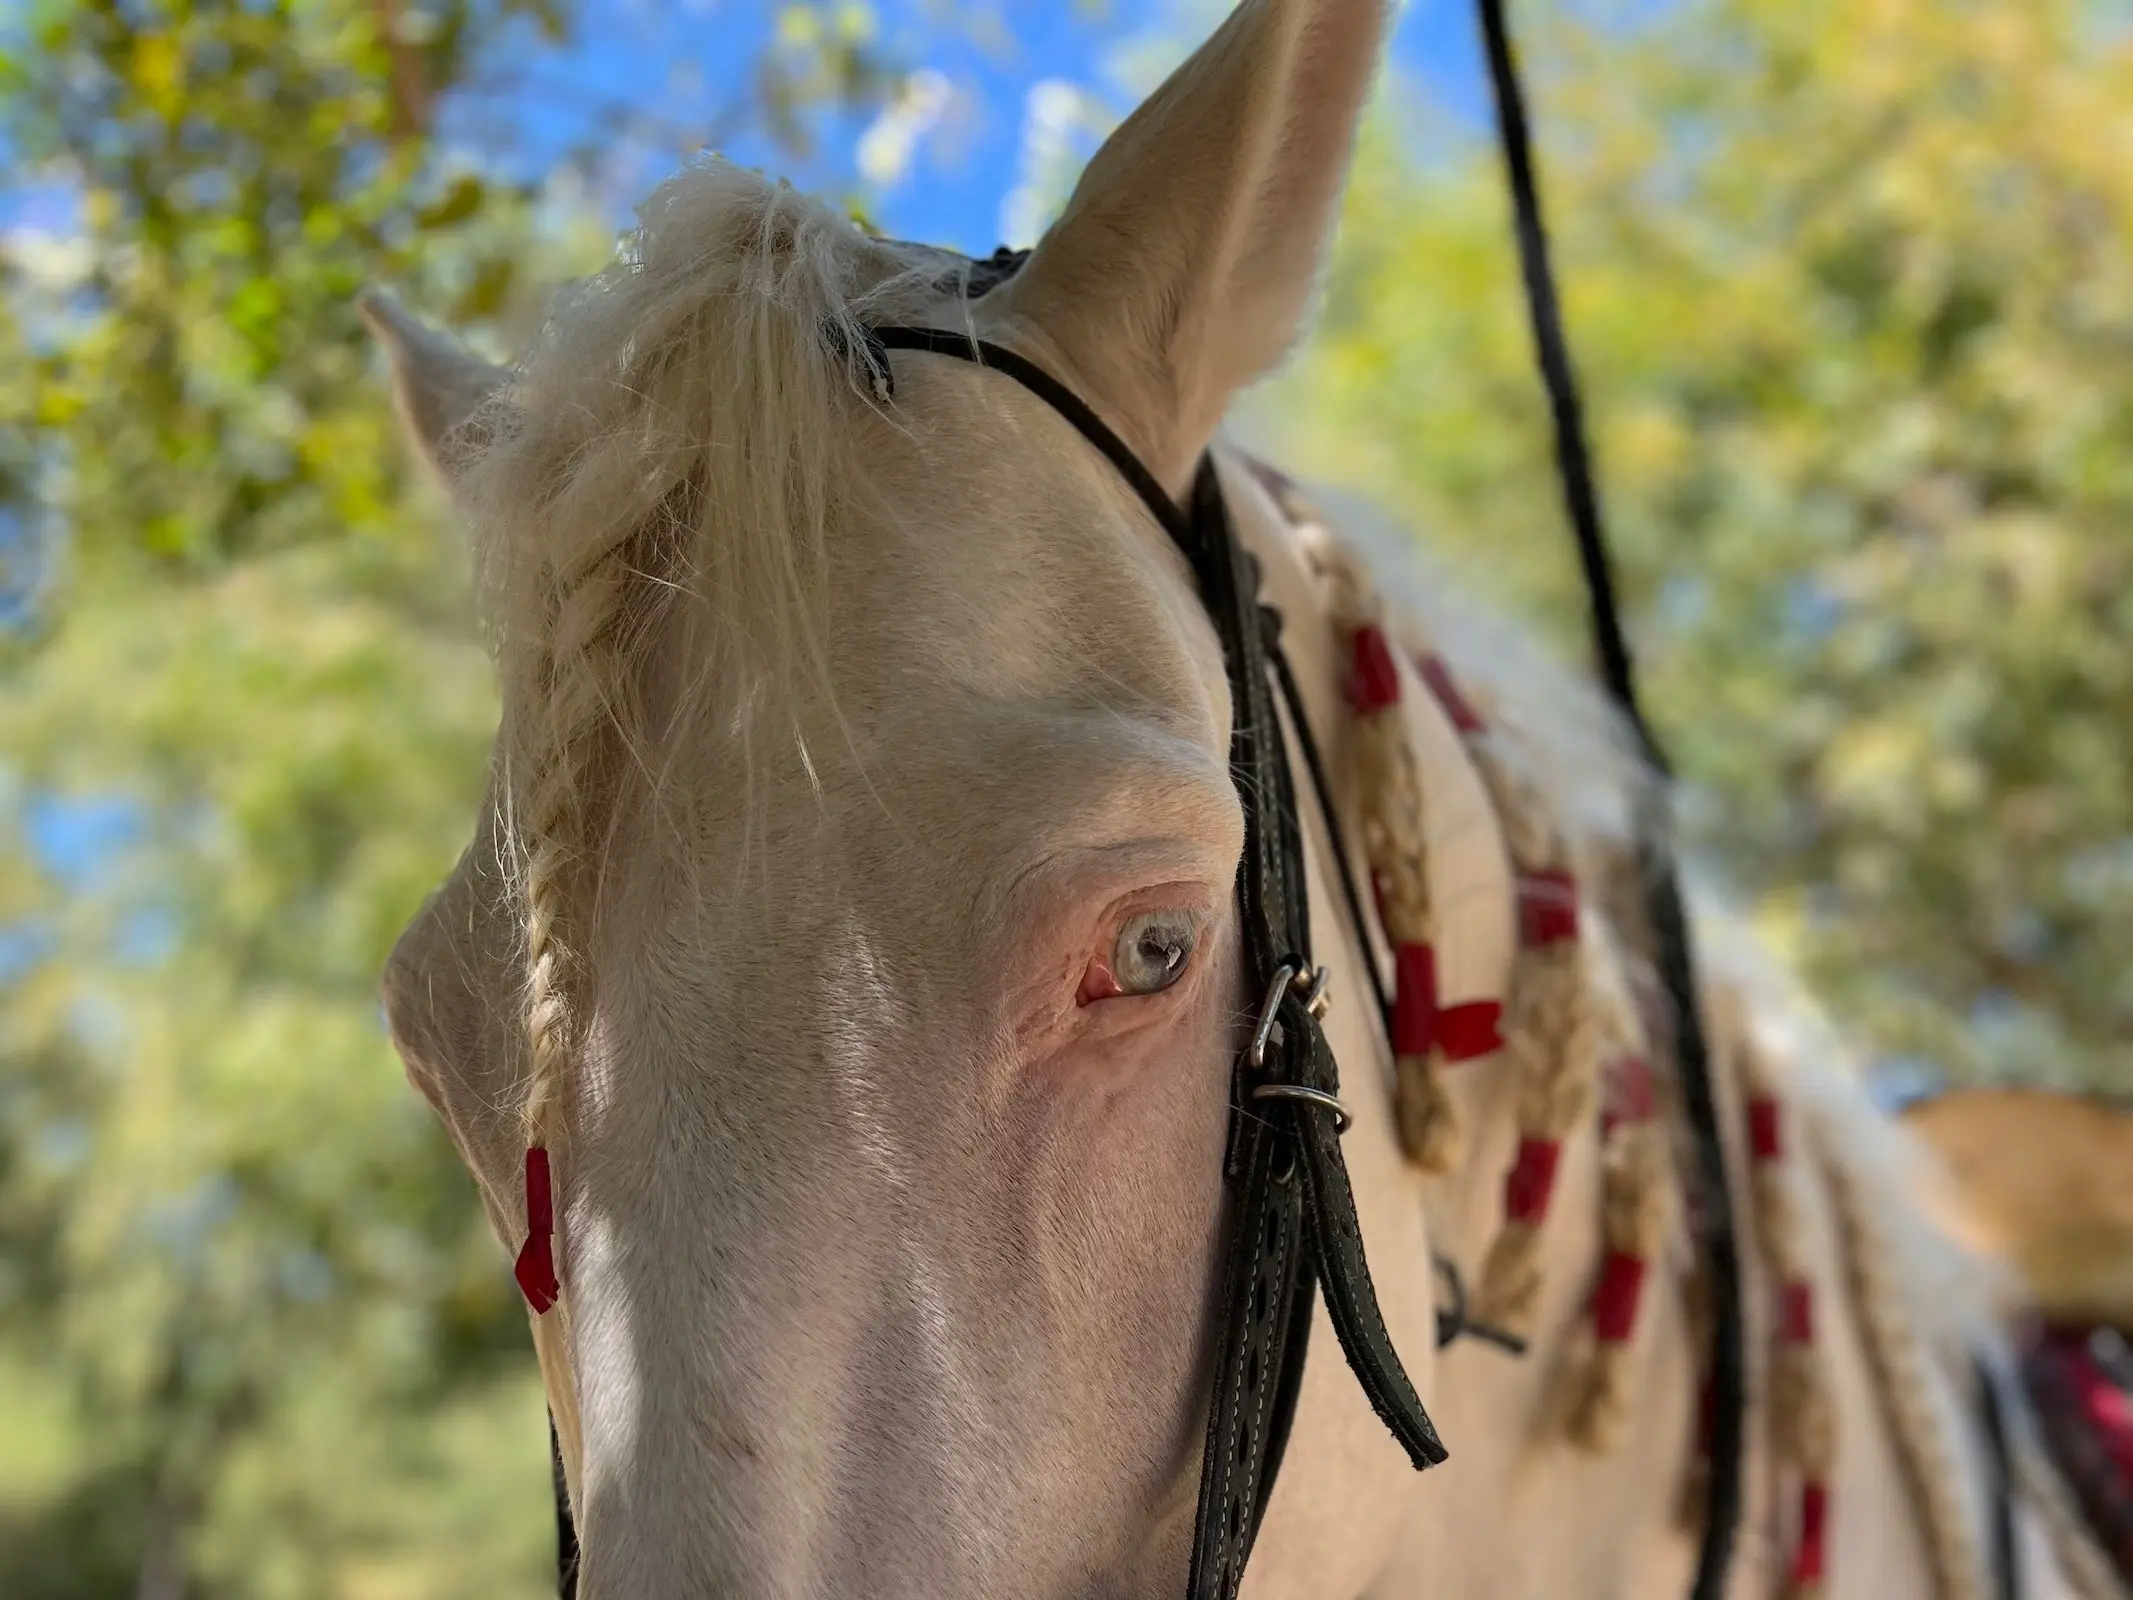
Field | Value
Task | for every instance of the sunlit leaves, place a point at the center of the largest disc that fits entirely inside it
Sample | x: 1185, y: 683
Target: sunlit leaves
x: 1849, y: 292
x: 269, y: 1347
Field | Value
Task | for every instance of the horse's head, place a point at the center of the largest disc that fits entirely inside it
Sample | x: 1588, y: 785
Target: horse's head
x: 852, y: 912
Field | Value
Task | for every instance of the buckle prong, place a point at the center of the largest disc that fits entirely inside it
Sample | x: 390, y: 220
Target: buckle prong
x: 1269, y: 1008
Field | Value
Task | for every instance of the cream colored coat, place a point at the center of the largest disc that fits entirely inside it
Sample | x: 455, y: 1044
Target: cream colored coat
x: 838, y: 743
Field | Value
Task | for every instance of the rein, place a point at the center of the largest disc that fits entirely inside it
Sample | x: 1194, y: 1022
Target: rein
x: 1669, y: 925
x: 1668, y: 920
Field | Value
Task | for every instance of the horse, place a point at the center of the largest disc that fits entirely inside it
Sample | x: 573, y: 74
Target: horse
x: 840, y: 1003
x: 2036, y: 1179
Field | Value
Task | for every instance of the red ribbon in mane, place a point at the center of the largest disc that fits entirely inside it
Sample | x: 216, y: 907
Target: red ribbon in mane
x: 535, y: 1267
x: 1614, y: 1302
x: 1547, y: 908
x: 1449, y: 695
x: 1531, y: 1182
x: 1420, y: 1025
x: 1373, y: 676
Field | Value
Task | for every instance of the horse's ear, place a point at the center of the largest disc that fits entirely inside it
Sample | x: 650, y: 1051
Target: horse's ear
x: 1188, y: 255
x: 437, y: 382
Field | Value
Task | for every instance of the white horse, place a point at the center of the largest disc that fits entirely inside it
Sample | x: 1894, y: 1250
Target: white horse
x: 851, y: 920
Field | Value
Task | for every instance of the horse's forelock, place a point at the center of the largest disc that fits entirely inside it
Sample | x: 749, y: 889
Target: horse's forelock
x: 671, y: 446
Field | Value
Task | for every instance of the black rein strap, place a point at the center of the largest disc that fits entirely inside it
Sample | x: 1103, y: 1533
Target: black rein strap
x: 1292, y: 1221
x: 1669, y: 923
x: 1675, y: 956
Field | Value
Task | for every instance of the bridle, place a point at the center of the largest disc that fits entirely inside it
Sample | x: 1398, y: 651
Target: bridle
x: 1291, y: 1222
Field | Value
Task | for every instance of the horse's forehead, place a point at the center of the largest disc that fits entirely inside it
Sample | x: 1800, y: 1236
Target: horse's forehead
x: 995, y: 551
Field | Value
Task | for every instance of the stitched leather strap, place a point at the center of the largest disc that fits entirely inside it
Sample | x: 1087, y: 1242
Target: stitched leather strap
x: 1264, y: 1331
x: 1280, y: 1143
x: 1351, y: 1300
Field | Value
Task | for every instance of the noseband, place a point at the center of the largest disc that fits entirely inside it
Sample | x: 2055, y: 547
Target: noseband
x: 1291, y: 1221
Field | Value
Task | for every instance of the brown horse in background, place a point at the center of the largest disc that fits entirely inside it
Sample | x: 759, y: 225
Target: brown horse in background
x: 2044, y: 1183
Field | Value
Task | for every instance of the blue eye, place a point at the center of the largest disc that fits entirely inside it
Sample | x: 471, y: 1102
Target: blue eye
x: 1154, y: 950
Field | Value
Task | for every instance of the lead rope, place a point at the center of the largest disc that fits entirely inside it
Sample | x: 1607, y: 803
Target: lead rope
x: 1669, y: 922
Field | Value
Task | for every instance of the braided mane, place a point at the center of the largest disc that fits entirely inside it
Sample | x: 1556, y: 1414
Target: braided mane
x: 1580, y: 1043
x: 667, y: 455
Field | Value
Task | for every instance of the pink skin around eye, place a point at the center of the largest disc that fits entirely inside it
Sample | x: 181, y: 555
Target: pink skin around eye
x: 1098, y: 983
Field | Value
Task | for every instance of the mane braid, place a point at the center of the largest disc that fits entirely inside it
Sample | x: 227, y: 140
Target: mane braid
x: 1551, y: 1030
x: 1395, y: 843
x: 659, y: 471
x: 1903, y: 1361
x: 2087, y: 1566
x: 1637, y: 1206
x: 1803, y: 1419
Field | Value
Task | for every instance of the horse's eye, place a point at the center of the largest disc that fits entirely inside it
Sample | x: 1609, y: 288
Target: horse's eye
x: 1152, y: 953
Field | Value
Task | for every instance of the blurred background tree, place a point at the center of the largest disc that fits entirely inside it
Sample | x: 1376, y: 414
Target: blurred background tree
x: 256, y: 1341
x: 1850, y: 292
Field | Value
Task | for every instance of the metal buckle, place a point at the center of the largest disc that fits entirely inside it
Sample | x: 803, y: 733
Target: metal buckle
x: 1311, y: 986
x: 1343, y: 1119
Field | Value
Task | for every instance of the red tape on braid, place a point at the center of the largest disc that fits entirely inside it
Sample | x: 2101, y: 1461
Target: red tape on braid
x: 1373, y: 676
x: 1766, y: 1135
x: 1414, y: 1005
x: 1470, y: 1031
x: 1796, y: 1312
x: 1461, y: 1033
x: 1547, y: 908
x: 1449, y: 695
x: 1809, y: 1559
x: 535, y: 1267
x: 1632, y: 1095
x: 1531, y: 1182
x: 1614, y: 1302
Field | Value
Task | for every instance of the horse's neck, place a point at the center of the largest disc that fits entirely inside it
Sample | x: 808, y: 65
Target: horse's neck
x: 1518, y: 1512
x: 1577, y: 1467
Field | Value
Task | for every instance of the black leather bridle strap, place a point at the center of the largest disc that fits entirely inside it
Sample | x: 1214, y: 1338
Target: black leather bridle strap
x: 982, y: 353
x: 1329, y: 814
x: 1279, y: 1143
x: 566, y: 1527
x: 1999, y: 1484
x: 1292, y: 1221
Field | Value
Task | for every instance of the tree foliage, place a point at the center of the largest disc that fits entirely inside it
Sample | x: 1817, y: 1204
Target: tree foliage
x: 254, y: 1336
x: 1854, y: 311
x: 1850, y: 292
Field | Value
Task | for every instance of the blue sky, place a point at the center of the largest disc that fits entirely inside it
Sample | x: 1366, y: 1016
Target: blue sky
x: 669, y: 65
x: 675, y: 62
